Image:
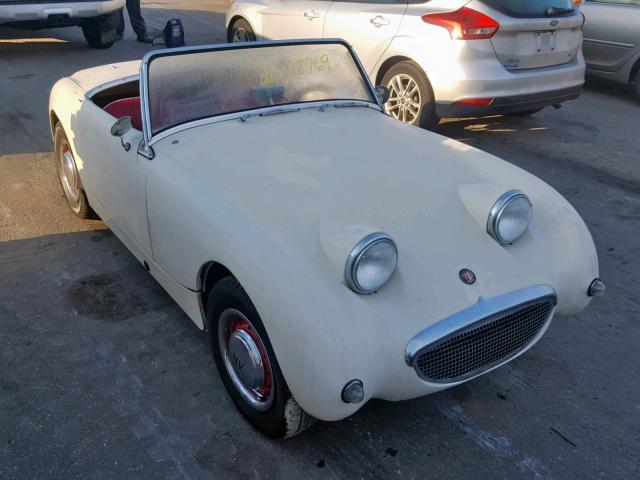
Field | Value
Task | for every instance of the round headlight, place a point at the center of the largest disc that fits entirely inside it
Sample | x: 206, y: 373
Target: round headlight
x: 371, y: 263
x: 509, y: 217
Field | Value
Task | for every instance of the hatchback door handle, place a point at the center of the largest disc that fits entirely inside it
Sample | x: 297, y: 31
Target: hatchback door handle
x: 311, y: 14
x: 379, y: 21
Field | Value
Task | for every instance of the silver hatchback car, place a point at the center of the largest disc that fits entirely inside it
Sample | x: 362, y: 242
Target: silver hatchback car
x: 440, y: 58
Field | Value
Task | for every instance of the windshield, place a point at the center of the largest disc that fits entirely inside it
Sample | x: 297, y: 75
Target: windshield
x: 191, y: 85
x: 533, y: 8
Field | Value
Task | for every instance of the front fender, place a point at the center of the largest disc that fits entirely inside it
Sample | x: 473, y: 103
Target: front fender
x: 285, y: 285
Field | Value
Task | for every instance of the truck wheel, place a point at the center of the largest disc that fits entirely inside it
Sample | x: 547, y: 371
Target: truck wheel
x: 246, y: 362
x: 101, y: 32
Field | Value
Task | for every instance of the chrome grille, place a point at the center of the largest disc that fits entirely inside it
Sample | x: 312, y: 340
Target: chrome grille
x: 482, y: 345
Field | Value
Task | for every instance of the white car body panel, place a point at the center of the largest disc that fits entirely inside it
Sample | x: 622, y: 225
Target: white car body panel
x: 22, y: 12
x: 99, y: 78
x: 281, y: 200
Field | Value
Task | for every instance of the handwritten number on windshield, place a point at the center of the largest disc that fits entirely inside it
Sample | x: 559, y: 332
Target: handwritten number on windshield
x: 293, y: 68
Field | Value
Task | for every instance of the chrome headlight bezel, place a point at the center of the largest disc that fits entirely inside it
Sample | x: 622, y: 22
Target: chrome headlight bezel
x: 498, y: 209
x: 356, y: 254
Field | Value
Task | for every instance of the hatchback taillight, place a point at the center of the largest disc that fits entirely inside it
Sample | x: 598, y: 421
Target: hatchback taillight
x: 464, y: 24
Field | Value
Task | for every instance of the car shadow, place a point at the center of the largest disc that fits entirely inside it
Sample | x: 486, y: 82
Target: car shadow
x: 597, y: 85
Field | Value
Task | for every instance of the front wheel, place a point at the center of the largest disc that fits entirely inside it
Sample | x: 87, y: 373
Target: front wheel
x: 411, y: 97
x: 246, y: 362
x: 102, y: 32
x: 241, y: 31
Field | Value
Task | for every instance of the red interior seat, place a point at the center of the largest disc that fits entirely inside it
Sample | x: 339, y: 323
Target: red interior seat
x: 126, y: 107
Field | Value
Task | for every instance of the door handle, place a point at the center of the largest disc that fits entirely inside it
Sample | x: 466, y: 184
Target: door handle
x: 379, y: 21
x: 311, y: 14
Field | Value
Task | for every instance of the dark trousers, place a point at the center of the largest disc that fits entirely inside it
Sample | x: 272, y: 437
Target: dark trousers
x: 137, y: 22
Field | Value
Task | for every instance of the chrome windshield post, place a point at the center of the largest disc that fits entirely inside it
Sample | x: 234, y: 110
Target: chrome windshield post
x: 146, y: 151
x: 144, y: 148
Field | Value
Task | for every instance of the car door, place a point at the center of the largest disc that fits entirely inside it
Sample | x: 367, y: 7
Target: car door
x: 110, y: 172
x: 611, y: 33
x: 286, y: 19
x: 368, y: 25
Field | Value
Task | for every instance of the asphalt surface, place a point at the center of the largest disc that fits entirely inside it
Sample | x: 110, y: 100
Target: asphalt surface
x: 102, y: 375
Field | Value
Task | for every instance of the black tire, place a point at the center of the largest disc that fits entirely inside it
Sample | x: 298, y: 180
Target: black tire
x: 102, y: 32
x: 284, y: 418
x: 525, y: 113
x: 425, y: 116
x: 240, y: 31
x: 78, y: 203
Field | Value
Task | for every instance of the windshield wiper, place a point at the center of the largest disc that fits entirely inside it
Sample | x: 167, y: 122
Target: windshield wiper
x: 556, y: 11
x: 360, y: 103
x: 279, y: 110
x: 323, y: 107
x: 276, y: 111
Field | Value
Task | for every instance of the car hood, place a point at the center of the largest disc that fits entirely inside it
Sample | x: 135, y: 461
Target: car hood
x: 342, y: 164
x: 318, y: 181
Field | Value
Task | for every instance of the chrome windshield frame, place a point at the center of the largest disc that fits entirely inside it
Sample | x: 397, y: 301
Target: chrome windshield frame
x: 149, y: 138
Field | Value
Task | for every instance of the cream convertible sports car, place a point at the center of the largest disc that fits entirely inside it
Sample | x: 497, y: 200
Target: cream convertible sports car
x: 332, y: 254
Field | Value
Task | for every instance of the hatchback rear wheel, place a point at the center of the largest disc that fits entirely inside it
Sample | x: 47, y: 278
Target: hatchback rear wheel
x: 241, y: 31
x: 411, y: 97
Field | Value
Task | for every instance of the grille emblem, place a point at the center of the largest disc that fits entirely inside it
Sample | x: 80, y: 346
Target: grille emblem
x: 467, y: 276
x: 554, y: 23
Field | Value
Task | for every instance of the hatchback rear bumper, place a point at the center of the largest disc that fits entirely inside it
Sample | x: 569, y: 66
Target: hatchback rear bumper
x: 509, y: 104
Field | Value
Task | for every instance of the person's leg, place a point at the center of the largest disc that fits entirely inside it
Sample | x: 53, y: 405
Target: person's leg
x: 120, y: 30
x: 135, y: 15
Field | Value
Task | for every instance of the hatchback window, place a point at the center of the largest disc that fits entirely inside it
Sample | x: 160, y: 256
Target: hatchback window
x: 533, y: 8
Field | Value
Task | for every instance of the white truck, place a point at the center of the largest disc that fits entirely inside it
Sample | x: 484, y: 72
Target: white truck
x: 99, y: 19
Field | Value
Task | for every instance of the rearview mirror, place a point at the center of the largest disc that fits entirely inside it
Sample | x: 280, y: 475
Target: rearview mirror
x: 122, y: 126
x: 382, y: 93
